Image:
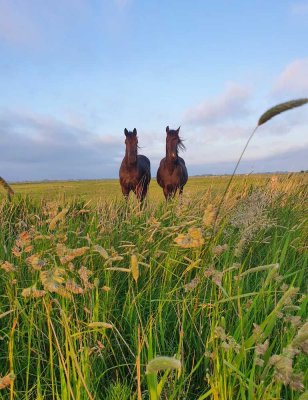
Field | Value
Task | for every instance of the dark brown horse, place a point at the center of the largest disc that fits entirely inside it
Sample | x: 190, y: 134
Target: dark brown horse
x: 172, y: 173
x: 135, y: 173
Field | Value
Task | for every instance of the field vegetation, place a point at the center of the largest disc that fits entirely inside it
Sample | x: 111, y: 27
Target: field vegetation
x: 102, y: 300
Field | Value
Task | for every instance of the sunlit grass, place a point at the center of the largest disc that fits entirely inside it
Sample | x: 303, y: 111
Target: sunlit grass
x: 93, y: 292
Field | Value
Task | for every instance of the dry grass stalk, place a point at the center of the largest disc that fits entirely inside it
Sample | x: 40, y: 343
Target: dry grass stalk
x: 7, y: 187
x: 134, y: 267
x: 138, y: 368
x: 119, y: 269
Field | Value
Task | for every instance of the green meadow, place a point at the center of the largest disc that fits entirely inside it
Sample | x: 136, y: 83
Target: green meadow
x: 100, y: 299
x: 109, y: 189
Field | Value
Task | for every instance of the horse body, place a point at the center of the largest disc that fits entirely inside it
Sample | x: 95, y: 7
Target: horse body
x: 172, y: 172
x: 135, y: 170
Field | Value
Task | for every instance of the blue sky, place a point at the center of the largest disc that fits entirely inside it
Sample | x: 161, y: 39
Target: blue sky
x: 75, y: 73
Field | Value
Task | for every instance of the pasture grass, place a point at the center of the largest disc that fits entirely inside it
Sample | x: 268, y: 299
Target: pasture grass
x: 109, y: 189
x: 91, y: 292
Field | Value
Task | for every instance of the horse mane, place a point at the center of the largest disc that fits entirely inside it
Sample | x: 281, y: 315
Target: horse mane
x: 181, y: 144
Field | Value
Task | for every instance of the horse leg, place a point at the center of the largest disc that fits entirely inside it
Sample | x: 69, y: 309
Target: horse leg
x: 167, y: 193
x: 181, y: 188
x: 181, y: 194
x: 171, y: 191
x: 141, y: 192
x: 125, y: 191
x: 142, y: 197
x: 144, y: 192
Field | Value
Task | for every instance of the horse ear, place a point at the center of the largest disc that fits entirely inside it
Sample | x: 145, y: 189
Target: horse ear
x: 125, y: 132
x: 135, y: 131
x: 178, y: 130
x: 167, y: 129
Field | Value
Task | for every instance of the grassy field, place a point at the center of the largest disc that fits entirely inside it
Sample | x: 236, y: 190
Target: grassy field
x: 102, y: 300
x: 109, y: 189
x: 100, y: 190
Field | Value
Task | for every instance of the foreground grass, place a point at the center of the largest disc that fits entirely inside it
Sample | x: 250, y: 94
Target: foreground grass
x: 90, y: 295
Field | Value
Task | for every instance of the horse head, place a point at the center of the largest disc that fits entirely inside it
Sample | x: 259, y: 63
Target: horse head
x: 173, y: 143
x: 131, y: 142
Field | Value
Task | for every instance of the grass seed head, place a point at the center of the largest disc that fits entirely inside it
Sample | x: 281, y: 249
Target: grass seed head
x: 209, y: 216
x: 52, y: 281
x: 134, y: 267
x: 192, y: 284
x: 162, y: 363
x: 7, y: 267
x: 261, y: 349
x: 73, y: 287
x: 6, y: 380
x: 193, y: 238
x: 297, y: 382
x: 99, y: 324
x: 33, y: 292
x: 279, y: 108
x: 59, y: 217
x: 99, y: 249
x: 85, y: 274
x: 35, y: 262
x: 219, y: 249
x: 301, y: 339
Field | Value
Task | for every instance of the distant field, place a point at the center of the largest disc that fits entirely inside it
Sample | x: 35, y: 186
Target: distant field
x: 107, y: 189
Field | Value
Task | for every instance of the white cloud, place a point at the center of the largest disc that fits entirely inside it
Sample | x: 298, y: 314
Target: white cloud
x: 293, y: 159
x: 38, y: 147
x: 231, y: 104
x: 293, y: 79
x: 221, y: 144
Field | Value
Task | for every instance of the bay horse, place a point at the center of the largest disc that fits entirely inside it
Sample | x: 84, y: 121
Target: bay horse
x: 135, y: 169
x: 172, y: 172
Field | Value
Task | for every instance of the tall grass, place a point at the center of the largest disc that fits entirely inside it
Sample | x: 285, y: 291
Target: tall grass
x: 92, y: 295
